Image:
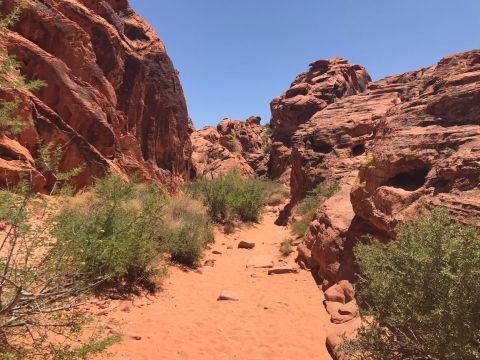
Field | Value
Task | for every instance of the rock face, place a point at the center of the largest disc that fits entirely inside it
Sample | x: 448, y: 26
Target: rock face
x: 406, y: 143
x: 324, y: 83
x: 243, y: 145
x: 113, y: 99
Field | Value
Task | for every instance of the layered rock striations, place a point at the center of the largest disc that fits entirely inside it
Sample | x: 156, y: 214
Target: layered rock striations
x: 113, y: 100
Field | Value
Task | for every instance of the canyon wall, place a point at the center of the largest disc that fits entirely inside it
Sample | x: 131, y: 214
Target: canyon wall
x: 113, y: 101
x: 401, y: 145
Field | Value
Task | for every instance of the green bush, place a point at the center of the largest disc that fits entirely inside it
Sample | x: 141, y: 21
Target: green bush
x: 186, y: 230
x: 308, y: 207
x: 228, y: 196
x: 286, y: 247
x: 111, y: 231
x: 422, y: 291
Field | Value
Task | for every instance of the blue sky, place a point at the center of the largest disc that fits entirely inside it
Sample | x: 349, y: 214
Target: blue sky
x: 234, y: 57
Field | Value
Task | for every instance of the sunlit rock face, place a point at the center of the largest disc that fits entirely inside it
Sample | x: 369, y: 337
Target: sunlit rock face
x: 113, y: 99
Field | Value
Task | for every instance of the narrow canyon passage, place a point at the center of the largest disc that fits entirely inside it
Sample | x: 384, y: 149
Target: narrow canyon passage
x: 276, y: 316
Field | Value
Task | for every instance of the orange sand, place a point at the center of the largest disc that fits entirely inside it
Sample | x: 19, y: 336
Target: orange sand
x: 276, y: 317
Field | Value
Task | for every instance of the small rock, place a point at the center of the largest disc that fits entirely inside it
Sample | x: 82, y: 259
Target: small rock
x: 126, y: 309
x: 287, y: 269
x: 3, y: 226
x: 210, y: 262
x: 199, y: 271
x: 262, y: 261
x: 335, y: 293
x: 350, y: 309
x: 348, y: 290
x: 216, y: 252
x: 339, y: 332
x: 229, y: 247
x: 246, y: 245
x: 333, y: 308
x: 226, y: 296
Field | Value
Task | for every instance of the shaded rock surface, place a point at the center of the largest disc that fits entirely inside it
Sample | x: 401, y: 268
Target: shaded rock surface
x: 113, y: 99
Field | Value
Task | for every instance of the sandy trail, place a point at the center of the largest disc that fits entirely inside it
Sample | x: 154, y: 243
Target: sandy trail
x: 276, y: 317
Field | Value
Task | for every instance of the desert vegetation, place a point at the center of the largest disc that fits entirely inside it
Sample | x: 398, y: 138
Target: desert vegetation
x: 310, y: 204
x: 419, y: 293
x: 229, y: 196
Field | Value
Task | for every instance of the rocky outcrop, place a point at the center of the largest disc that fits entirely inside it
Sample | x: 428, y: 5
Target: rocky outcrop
x: 324, y: 83
x: 426, y: 149
x: 243, y: 145
x: 113, y: 100
x: 408, y: 142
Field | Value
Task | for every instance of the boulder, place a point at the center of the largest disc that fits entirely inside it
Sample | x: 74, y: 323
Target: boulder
x: 246, y: 245
x: 287, y: 269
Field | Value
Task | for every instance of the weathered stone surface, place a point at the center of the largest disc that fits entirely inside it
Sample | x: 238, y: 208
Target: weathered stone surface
x: 243, y: 145
x: 287, y: 269
x: 324, y: 83
x: 113, y: 99
x: 210, y: 158
x: 427, y: 148
x: 335, y: 294
x: 406, y: 143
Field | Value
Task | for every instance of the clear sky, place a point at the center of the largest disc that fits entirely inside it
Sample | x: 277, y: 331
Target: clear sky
x: 234, y: 56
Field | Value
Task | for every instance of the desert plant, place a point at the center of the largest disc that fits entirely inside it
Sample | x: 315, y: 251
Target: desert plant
x: 422, y: 292
x: 310, y: 204
x: 234, y: 145
x: 49, y: 157
x: 11, y: 78
x: 286, y: 247
x: 228, y: 196
x: 110, y: 232
x: 38, y: 297
x: 186, y: 230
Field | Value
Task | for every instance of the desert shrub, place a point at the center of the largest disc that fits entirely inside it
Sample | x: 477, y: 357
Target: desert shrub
x: 308, y: 207
x: 229, y: 195
x: 234, y: 145
x: 422, y: 291
x: 286, y: 247
x: 37, y: 294
x: 186, y: 230
x: 110, y: 232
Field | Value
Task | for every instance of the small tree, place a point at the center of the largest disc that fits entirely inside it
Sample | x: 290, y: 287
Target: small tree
x: 422, y: 290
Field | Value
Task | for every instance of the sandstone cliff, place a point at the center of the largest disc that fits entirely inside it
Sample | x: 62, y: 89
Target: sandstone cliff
x: 113, y: 99
x: 404, y: 144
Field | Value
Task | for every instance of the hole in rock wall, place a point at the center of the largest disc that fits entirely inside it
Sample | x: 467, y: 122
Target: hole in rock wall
x: 409, y: 181
x: 358, y: 150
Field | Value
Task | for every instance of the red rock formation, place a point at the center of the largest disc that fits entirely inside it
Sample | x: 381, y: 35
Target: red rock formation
x: 113, y: 100
x: 234, y: 144
x: 420, y: 137
x: 210, y: 158
x: 324, y: 83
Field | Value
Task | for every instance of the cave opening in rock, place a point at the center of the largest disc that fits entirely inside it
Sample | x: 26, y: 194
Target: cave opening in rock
x: 358, y: 150
x: 409, y: 181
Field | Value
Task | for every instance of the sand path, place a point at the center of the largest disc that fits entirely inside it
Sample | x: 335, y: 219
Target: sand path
x: 276, y: 317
